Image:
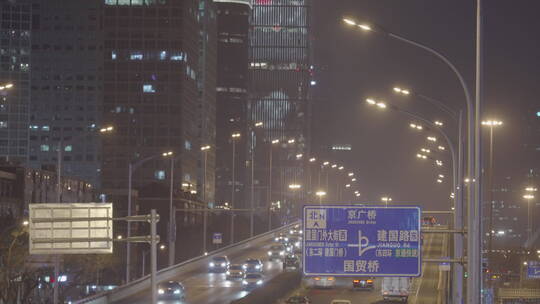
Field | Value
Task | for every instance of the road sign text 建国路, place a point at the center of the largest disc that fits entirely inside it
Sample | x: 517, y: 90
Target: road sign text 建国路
x: 362, y: 240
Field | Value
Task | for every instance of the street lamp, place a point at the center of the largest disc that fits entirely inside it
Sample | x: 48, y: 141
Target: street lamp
x: 432, y: 138
x: 6, y: 86
x: 529, y: 197
x: 132, y: 166
x: 272, y: 143
x: 320, y: 194
x: 258, y: 124
x: 295, y: 186
x: 59, y: 157
x: 204, y: 150
x: 234, y: 137
x: 351, y: 174
x: 386, y: 200
x: 172, y: 217
x: 491, y: 124
x: 416, y: 126
x: 474, y: 160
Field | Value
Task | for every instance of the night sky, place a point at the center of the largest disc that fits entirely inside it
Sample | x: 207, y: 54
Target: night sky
x: 353, y: 65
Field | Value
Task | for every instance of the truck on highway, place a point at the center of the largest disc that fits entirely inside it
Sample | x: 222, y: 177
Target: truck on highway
x: 395, y: 289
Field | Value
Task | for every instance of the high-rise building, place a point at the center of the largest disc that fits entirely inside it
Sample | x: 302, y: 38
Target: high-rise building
x: 233, y: 26
x: 15, y: 37
x: 67, y: 90
x: 207, y: 98
x: 280, y: 73
x: 151, y: 58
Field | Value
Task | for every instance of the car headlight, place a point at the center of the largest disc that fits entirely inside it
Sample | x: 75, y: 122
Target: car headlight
x: 291, y: 231
x: 228, y: 272
x: 269, y: 252
x: 244, y: 266
x: 297, y: 244
x: 276, y: 239
x: 161, y: 291
x: 259, y: 282
x: 282, y: 253
x: 286, y: 239
x: 212, y: 264
x: 301, y: 232
x: 177, y: 291
x: 257, y: 266
x: 244, y: 282
x: 223, y: 264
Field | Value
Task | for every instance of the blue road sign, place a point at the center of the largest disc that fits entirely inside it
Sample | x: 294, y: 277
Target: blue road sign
x: 533, y: 270
x: 217, y: 238
x: 362, y: 241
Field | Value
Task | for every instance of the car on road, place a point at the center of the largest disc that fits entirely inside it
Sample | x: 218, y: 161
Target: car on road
x: 281, y: 238
x: 252, y: 266
x: 219, y: 264
x: 291, y: 261
x: 323, y: 282
x: 234, y: 271
x: 296, y: 231
x: 298, y: 300
x: 395, y: 288
x: 363, y: 284
x: 171, y: 290
x: 276, y: 251
x: 341, y: 302
x: 252, y: 280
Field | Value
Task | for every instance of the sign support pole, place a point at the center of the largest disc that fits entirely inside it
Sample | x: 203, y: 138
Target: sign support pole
x: 153, y: 254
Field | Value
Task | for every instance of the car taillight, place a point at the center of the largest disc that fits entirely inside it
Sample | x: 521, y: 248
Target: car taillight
x: 356, y: 281
x: 330, y: 279
x: 317, y: 279
x: 370, y: 281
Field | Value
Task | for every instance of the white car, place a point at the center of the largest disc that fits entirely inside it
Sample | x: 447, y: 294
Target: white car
x: 252, y: 280
x: 323, y: 282
x: 341, y: 302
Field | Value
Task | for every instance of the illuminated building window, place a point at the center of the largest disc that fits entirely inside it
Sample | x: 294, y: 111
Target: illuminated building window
x: 148, y: 88
x: 187, y: 145
x: 159, y: 174
x: 113, y: 55
x: 44, y: 148
x: 136, y: 56
x: 68, y: 148
x: 162, y: 55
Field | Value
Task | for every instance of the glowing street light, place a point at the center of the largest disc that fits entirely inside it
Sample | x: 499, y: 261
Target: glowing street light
x: 438, y: 162
x: 531, y: 189
x: 379, y: 104
x: 106, y: 129
x: 333, y: 166
x: 298, y: 156
x: 425, y: 150
x: 168, y: 153
x: 386, y: 199
x: 295, y: 186
x: 341, y: 168
x: 439, y: 180
x: 204, y: 148
x: 421, y: 156
x: 401, y: 91
x: 351, y: 174
x: 353, y: 179
x: 416, y: 126
x: 275, y: 141
x: 6, y: 86
x: 432, y: 138
x: 313, y: 159
x: 325, y: 163
x: 442, y: 148
x: 492, y: 123
x: 258, y: 124
x: 438, y: 123
x: 291, y: 141
x: 347, y: 185
x: 441, y: 176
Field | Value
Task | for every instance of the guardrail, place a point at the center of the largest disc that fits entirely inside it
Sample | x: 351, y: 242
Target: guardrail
x: 124, y: 291
x: 518, y: 293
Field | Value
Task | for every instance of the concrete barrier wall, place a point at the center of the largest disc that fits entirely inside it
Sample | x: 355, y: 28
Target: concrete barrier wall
x: 165, y: 274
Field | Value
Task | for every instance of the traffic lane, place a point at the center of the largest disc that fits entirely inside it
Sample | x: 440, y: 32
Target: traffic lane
x: 217, y: 290
x: 202, y: 286
x: 427, y: 291
x: 344, y: 291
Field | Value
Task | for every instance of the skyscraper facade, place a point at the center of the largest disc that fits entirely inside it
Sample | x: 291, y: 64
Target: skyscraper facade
x: 67, y: 90
x: 151, y: 58
x: 207, y: 98
x: 280, y: 74
x: 233, y: 26
x: 15, y: 38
